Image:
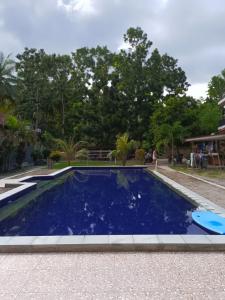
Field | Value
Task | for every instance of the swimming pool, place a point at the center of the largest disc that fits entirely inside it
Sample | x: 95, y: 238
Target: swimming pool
x: 100, y: 201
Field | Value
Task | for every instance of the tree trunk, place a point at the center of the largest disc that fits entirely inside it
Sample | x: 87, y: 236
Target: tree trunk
x: 37, y: 111
x: 63, y: 115
x: 124, y: 161
x: 172, y: 152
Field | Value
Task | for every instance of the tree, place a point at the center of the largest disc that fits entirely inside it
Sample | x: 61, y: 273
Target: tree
x: 169, y: 136
x: 216, y: 87
x: 142, y: 77
x: 172, y: 121
x: 7, y: 79
x: 123, y: 147
x: 209, y: 116
x: 61, y: 88
x: 94, y: 94
x: 14, y: 137
x: 72, y: 150
x: 130, y: 72
x: 99, y: 102
x: 33, y: 87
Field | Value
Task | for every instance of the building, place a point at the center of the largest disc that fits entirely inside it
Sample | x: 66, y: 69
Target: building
x: 212, y: 145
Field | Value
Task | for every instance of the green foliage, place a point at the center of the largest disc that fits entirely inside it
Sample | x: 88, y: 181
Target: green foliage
x: 20, y: 154
x: 216, y: 87
x: 72, y: 150
x: 14, y: 137
x: 123, y: 147
x: 7, y: 79
x: 94, y: 93
x: 172, y: 121
x: 48, y: 141
x: 209, y: 115
x: 55, y: 156
x: 140, y: 155
x: 12, y: 122
x: 38, y: 152
x: 169, y: 136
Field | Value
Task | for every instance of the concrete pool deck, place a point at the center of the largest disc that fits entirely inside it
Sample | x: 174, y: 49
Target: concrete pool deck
x: 101, y: 276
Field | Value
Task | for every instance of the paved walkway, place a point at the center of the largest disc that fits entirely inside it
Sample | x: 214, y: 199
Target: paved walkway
x: 31, y: 172
x: 206, y: 190
x: 16, y: 172
x: 113, y: 276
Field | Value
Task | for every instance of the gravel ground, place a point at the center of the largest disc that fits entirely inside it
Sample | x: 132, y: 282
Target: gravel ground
x: 113, y: 276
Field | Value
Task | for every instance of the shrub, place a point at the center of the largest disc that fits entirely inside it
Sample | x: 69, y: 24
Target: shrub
x: 12, y: 123
x: 55, y: 155
x: 123, y: 147
x: 72, y: 150
x: 140, y: 154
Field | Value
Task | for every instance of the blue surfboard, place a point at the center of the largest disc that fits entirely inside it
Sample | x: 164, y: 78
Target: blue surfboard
x: 210, y: 221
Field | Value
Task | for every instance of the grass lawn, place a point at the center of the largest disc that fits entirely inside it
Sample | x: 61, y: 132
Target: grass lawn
x: 213, y: 173
x: 94, y: 163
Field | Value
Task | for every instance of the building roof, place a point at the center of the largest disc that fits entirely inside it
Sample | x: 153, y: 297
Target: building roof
x: 206, y: 138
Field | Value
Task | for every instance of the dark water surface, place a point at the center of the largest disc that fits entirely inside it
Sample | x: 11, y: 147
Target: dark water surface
x: 102, y: 201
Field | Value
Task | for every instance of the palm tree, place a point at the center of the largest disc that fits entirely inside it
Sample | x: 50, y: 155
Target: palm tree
x: 72, y: 150
x: 123, y: 147
x: 7, y: 79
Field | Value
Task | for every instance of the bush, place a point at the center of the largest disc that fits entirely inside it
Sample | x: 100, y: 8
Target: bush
x: 12, y: 123
x: 55, y: 156
x: 140, y: 154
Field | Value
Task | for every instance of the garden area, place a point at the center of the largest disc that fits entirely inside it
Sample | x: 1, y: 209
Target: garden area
x: 56, y: 109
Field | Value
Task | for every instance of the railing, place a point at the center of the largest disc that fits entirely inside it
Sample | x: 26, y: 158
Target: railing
x: 98, y: 154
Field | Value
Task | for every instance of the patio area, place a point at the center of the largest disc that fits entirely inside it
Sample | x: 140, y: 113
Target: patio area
x: 113, y: 276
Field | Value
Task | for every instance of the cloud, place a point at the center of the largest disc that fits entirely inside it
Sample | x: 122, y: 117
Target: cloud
x: 198, y: 90
x: 85, y: 7
x: 189, y: 30
x: 10, y: 43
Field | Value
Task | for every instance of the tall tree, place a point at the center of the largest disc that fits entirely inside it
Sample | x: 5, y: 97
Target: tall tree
x: 33, y: 93
x: 61, y: 88
x: 173, y: 120
x: 7, y: 78
x: 216, y: 87
x: 209, y: 115
x: 95, y: 94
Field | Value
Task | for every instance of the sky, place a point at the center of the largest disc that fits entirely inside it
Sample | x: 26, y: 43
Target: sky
x: 191, y: 31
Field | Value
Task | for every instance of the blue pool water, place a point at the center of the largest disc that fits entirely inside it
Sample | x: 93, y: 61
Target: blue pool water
x: 100, y: 201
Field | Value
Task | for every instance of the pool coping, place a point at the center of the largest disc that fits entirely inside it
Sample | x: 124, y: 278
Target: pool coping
x: 18, y: 244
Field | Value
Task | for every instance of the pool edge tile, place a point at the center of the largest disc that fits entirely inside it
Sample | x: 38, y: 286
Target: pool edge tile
x: 121, y: 239
x: 96, y: 239
x: 45, y: 240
